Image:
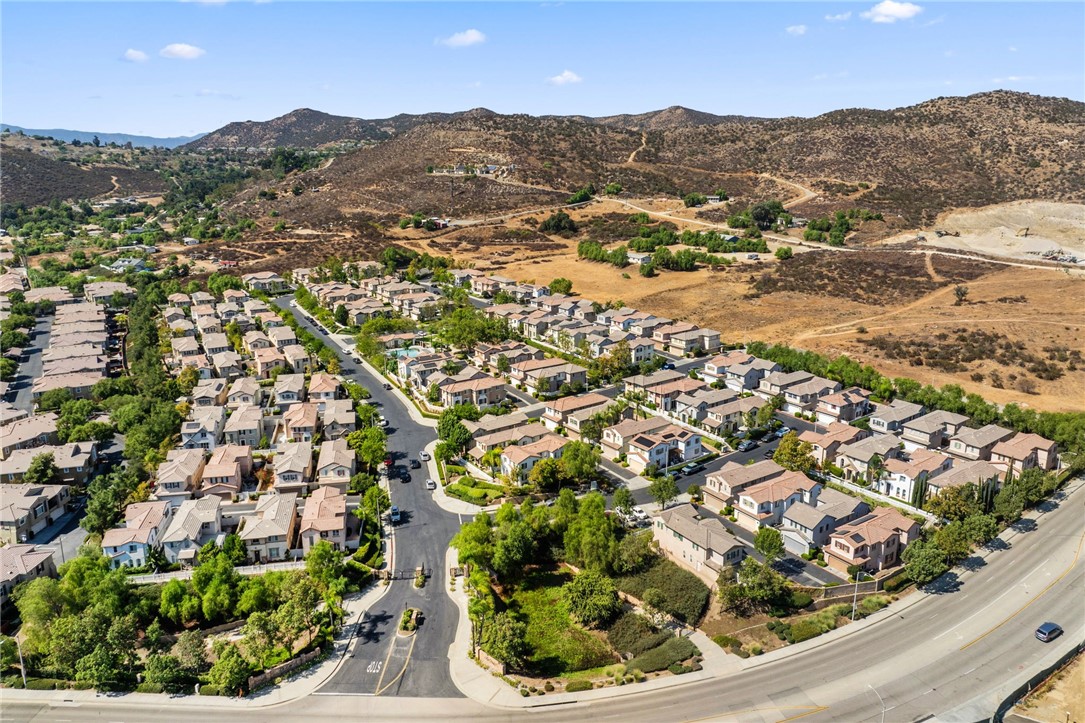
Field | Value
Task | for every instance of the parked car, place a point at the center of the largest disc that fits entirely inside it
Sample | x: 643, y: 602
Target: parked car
x: 769, y: 453
x: 1048, y: 632
x: 393, y: 514
x: 415, y: 464
x: 388, y: 461
x: 424, y: 456
x: 405, y: 476
x: 387, y: 385
x: 382, y: 421
x: 747, y: 445
x: 668, y: 365
x: 431, y: 485
x: 692, y: 468
x: 782, y: 431
x: 640, y: 514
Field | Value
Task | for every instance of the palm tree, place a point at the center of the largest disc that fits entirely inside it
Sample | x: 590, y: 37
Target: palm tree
x: 875, y: 470
x: 492, y: 459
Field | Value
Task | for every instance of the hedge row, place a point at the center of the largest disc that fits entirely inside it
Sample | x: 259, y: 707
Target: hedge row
x: 576, y: 686
x: 673, y: 651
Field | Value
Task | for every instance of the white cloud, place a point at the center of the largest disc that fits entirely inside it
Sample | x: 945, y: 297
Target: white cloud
x: 890, y: 11
x: 838, y: 18
x: 1013, y: 49
x: 135, y: 56
x: 462, y: 40
x: 796, y: 30
x: 565, y: 78
x: 181, y: 51
x: 1013, y: 79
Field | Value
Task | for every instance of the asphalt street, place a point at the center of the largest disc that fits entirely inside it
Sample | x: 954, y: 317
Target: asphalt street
x: 30, y: 367
x: 421, y: 538
x: 952, y: 655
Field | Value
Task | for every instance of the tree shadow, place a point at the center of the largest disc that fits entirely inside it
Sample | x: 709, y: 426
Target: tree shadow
x: 1048, y: 505
x: 997, y: 544
x: 1024, y: 525
x: 367, y: 630
x: 947, y: 583
x: 972, y: 563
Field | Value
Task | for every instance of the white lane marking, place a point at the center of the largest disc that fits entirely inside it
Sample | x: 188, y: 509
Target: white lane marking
x: 1007, y: 592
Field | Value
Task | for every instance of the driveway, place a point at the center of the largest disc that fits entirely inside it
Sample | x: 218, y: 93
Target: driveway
x: 30, y: 367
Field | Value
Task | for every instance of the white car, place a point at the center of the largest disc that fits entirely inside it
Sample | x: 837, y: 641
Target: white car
x: 431, y: 485
x: 424, y: 456
x: 639, y: 514
x: 382, y: 422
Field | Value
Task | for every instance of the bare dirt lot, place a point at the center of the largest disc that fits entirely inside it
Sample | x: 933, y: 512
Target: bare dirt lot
x: 1059, y: 700
x: 1000, y: 230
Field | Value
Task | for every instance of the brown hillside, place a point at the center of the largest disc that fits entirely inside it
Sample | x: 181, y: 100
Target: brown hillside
x: 32, y: 178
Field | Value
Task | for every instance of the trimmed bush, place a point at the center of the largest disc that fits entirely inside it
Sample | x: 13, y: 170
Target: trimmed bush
x: 740, y: 652
x: 897, y: 583
x: 726, y: 641
x: 673, y: 651
x: 872, y: 604
x: 149, y: 688
x: 576, y: 686
x: 46, y: 684
x: 210, y: 690
x: 800, y: 600
x: 635, y: 634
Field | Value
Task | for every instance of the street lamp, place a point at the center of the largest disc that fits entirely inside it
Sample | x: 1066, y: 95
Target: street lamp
x: 879, y: 700
x: 855, y: 594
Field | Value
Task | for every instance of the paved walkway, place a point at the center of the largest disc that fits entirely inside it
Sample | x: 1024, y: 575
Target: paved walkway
x: 243, y: 570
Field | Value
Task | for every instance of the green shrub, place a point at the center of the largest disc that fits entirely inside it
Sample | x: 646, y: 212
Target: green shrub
x: 740, y: 652
x: 679, y: 669
x: 452, y: 469
x: 804, y: 630
x: 210, y: 690
x: 82, y: 685
x: 638, y: 676
x: 897, y: 583
x: 149, y: 688
x: 576, y: 686
x: 549, y: 687
x: 756, y: 649
x: 673, y: 651
x: 872, y: 604
x: 523, y: 692
x: 635, y: 634
x: 726, y: 641
x: 685, y: 597
x: 45, y: 684
x: 800, y: 600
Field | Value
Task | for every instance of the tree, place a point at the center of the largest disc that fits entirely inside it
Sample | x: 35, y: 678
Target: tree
x: 374, y: 503
x: 960, y: 291
x: 474, y: 542
x: 558, y: 223
x: 875, y: 470
x: 589, y: 538
x: 370, y: 444
x: 768, y: 412
x: 784, y: 253
x: 42, y: 470
x: 325, y: 565
x: 770, y: 543
x: 231, y: 671
x: 51, y: 400
x: 514, y: 550
x: 955, y: 503
x: 168, y: 672
x: 341, y: 316
x: 694, y: 199
x: 623, y: 500
x: 506, y: 640
x: 503, y: 364
x: 592, y: 598
x: 953, y: 540
x: 546, y: 475
x: 561, y: 285
x: 794, y: 454
x: 663, y: 490
x: 579, y: 461
x: 492, y: 460
x: 634, y: 553
x: 655, y: 603
x: 924, y: 562
x: 260, y: 636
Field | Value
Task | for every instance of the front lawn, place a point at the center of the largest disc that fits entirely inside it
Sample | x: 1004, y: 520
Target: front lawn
x: 558, y: 645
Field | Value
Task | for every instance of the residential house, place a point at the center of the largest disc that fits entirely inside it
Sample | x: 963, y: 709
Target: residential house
x: 178, y: 478
x: 663, y: 448
x: 216, y: 344
x: 203, y: 428
x: 980, y: 473
x: 297, y: 359
x: 557, y: 411
x: 874, y: 541
x: 664, y: 395
x: 906, y: 475
x: 79, y: 384
x: 289, y: 389
x: 693, y: 407
x: 662, y: 335
x: 548, y: 380
x: 267, y: 361
x: 747, y: 376
x: 75, y: 461
x: 490, y: 423
x: 1025, y: 451
x: 527, y: 456
x: 931, y: 431
x: 499, y: 439
x: 282, y: 336
x: 130, y: 545
x: 807, y: 527
x: 335, y: 465
x: 776, y: 383
x: 301, y: 422
x: 715, y: 369
x: 181, y: 301
x: 209, y: 393
x: 245, y: 426
x: 639, y: 383
x: 725, y: 418
x: 824, y: 445
x: 324, y: 388
x: 26, y: 510
x: 19, y: 564
x: 843, y: 406
x: 267, y: 281
x: 694, y: 341
x: 254, y: 340
x: 482, y: 392
x: 764, y: 504
x: 722, y: 488
x: 33, y: 431
x: 269, y: 531
x: 227, y: 364
x: 101, y: 292
x: 891, y: 418
x: 338, y: 418
x: 973, y: 444
x: 860, y: 460
x: 293, y: 467
x: 324, y: 517
x: 520, y: 370
x: 701, y: 545
x: 616, y: 438
x: 243, y: 392
x: 225, y: 471
x: 194, y: 524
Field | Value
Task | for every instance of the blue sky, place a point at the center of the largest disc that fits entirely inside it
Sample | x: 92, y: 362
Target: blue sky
x: 180, y: 68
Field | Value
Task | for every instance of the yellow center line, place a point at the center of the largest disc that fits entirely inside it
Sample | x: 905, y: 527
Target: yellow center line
x: 403, y: 670
x: 1021, y: 609
x: 384, y: 667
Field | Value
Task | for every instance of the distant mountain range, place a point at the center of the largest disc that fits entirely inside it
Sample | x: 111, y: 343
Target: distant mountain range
x: 66, y: 135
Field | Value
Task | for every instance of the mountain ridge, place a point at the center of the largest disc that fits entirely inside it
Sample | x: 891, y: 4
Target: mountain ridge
x: 68, y: 135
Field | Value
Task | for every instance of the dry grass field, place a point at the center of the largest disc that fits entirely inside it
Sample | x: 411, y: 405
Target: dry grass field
x: 1059, y: 700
